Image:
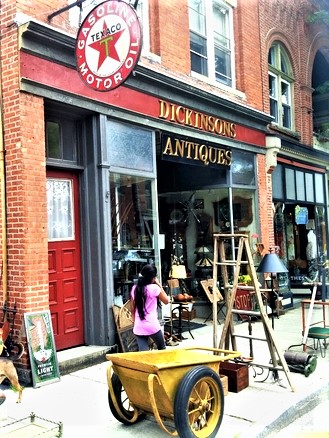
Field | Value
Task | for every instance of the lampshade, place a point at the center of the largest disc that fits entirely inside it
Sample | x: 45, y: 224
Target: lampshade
x: 205, y: 261
x: 202, y: 250
x: 178, y: 271
x: 271, y: 263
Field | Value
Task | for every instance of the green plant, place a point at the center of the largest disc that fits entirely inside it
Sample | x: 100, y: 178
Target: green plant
x: 244, y: 278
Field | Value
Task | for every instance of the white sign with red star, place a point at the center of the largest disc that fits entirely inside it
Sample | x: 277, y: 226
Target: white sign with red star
x: 108, y: 45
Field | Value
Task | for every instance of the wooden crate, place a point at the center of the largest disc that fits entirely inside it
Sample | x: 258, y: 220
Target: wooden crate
x: 224, y: 381
x: 238, y: 375
x: 186, y: 315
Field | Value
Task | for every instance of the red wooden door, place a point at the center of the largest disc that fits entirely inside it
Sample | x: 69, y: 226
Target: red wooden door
x: 64, y: 259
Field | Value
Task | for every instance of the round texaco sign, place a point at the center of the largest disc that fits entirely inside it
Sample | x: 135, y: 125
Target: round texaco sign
x: 108, y: 45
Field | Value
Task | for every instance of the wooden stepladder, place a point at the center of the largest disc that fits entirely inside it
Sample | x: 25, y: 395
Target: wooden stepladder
x: 229, y: 249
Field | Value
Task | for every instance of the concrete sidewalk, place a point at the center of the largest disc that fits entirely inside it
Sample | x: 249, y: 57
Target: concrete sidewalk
x: 79, y: 399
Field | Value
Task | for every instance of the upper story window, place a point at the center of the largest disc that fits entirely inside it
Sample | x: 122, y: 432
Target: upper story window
x: 280, y: 86
x: 211, y: 39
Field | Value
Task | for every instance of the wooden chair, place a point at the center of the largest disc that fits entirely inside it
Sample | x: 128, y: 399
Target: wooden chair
x: 208, y: 287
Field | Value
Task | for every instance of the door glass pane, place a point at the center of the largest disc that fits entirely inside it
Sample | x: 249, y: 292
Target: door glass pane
x: 60, y: 209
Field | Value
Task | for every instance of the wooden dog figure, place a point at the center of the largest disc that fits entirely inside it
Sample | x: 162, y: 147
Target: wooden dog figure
x: 8, y: 370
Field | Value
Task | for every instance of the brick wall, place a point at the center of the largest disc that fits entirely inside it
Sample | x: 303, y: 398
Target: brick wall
x: 23, y: 132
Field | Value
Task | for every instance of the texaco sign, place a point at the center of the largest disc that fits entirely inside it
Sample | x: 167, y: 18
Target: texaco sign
x: 108, y: 45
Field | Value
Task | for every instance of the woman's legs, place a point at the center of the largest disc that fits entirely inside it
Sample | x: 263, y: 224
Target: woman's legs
x: 142, y: 342
x: 159, y: 340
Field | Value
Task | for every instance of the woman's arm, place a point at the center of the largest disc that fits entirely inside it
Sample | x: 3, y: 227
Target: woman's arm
x: 162, y: 296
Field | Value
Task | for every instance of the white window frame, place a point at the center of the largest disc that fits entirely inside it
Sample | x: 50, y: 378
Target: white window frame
x: 282, y: 79
x: 142, y: 12
x: 209, y: 36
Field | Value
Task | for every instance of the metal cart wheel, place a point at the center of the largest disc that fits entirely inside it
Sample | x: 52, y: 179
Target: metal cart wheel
x: 126, y: 414
x: 199, y: 404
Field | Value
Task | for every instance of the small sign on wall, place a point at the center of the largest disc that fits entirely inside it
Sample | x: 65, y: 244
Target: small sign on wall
x: 42, y: 350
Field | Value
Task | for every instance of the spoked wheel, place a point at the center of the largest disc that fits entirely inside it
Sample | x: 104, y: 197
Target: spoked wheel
x: 127, y: 414
x: 199, y: 404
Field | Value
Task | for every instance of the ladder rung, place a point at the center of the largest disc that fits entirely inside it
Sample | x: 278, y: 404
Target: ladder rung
x: 232, y: 263
x: 249, y: 337
x: 246, y: 312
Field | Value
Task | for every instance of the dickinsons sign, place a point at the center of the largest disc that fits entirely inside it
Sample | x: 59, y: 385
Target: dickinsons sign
x: 108, y: 45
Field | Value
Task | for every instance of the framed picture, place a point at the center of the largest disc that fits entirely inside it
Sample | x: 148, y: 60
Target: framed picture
x: 42, y: 350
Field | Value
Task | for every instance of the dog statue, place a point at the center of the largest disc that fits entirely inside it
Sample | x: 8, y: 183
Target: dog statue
x: 8, y: 370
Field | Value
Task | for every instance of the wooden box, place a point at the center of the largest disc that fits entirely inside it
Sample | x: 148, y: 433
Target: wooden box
x: 224, y: 381
x: 238, y: 375
x: 188, y: 316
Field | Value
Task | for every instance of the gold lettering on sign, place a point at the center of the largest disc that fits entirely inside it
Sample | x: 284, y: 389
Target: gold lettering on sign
x: 188, y: 117
x: 207, y: 154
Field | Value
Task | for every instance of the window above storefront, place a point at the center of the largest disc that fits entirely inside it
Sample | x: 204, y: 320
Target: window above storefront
x: 211, y: 39
x: 280, y: 86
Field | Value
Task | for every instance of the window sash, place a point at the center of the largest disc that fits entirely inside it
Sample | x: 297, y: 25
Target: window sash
x: 210, y: 39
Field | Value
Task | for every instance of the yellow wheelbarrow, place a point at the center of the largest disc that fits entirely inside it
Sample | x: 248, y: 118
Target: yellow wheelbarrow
x: 180, y: 385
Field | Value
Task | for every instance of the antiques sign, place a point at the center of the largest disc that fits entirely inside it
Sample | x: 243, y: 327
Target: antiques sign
x: 40, y: 338
x: 188, y: 151
x: 108, y: 45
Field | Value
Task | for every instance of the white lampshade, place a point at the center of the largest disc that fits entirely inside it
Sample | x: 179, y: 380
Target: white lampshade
x: 178, y: 271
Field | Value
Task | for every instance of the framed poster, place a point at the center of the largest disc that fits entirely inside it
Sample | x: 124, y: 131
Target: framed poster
x: 42, y: 351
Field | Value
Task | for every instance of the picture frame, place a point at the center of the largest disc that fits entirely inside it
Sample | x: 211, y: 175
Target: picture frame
x: 41, y: 346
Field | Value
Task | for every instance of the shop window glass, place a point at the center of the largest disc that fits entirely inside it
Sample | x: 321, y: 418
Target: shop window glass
x: 319, y: 193
x: 211, y: 39
x: 277, y: 182
x: 130, y: 147
x: 300, y: 186
x: 290, y: 184
x: 309, y: 186
x: 243, y: 168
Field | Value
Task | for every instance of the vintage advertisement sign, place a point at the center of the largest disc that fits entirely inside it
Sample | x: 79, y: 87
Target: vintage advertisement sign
x: 42, y: 351
x: 108, y: 45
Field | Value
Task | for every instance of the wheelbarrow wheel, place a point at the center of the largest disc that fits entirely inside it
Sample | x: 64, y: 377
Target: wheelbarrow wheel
x: 199, y: 404
x: 127, y: 410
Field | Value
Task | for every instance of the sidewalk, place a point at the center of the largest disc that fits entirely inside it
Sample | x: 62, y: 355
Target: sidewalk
x: 79, y: 399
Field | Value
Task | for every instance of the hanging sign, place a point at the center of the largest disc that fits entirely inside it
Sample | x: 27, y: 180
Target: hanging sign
x: 40, y: 339
x: 108, y: 45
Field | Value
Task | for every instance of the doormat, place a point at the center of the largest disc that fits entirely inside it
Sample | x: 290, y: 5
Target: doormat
x: 185, y: 326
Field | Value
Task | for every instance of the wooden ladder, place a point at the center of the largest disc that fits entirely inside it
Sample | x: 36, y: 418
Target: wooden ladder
x: 239, y: 246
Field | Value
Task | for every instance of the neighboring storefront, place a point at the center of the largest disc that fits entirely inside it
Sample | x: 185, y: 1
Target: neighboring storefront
x: 136, y: 171
x: 300, y: 215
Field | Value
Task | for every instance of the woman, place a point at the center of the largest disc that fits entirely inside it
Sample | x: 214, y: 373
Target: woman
x: 144, y: 308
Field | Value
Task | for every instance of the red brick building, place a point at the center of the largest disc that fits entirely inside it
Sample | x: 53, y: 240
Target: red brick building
x: 94, y: 184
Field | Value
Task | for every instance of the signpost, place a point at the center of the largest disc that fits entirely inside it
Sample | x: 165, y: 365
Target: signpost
x: 42, y: 350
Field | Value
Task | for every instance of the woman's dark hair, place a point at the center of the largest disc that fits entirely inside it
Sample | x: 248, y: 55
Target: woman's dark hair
x: 146, y: 276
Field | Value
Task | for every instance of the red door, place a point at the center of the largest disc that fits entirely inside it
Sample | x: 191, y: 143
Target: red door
x: 64, y: 259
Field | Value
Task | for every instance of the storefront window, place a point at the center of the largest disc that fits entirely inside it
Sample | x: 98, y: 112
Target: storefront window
x: 133, y: 219
x: 130, y: 147
x: 243, y: 169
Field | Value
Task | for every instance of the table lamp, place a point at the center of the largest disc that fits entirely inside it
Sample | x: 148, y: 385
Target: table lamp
x: 271, y: 264
x: 205, y: 261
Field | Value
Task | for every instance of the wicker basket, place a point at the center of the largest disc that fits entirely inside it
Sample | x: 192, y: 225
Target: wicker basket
x: 224, y: 380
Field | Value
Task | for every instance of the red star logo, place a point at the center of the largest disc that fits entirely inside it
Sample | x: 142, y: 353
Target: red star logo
x: 106, y: 46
